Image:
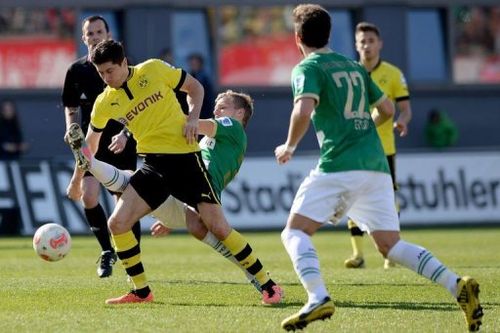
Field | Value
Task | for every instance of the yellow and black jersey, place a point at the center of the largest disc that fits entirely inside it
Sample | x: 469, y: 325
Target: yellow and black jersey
x: 146, y: 104
x: 393, y: 83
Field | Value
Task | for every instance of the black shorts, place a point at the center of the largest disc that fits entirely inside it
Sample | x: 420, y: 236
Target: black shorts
x: 182, y: 175
x: 391, y: 159
x: 126, y: 160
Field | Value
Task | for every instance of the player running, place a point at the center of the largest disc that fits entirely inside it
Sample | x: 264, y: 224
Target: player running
x: 352, y: 177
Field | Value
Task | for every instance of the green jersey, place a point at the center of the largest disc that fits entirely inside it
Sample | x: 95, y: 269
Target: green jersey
x: 224, y: 153
x: 343, y: 92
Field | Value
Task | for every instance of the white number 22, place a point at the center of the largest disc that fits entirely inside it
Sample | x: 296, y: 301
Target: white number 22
x: 353, y: 79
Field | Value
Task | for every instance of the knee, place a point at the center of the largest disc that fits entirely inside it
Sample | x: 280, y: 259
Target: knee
x: 115, y: 225
x: 221, y: 231
x: 384, y: 250
x: 89, y: 200
x: 214, y: 220
x: 384, y: 247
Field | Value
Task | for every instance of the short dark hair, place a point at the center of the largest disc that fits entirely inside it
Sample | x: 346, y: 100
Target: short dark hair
x: 240, y: 101
x: 312, y: 24
x: 107, y: 50
x: 367, y: 27
x: 94, y: 18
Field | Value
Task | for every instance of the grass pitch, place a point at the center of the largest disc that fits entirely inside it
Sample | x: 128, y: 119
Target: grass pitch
x: 196, y: 290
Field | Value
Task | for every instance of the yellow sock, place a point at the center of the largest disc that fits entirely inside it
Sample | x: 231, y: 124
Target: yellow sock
x: 243, y: 252
x: 129, y: 252
x: 357, y: 246
x: 356, y: 239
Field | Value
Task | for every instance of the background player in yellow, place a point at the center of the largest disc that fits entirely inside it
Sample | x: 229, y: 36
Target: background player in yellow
x: 392, y: 82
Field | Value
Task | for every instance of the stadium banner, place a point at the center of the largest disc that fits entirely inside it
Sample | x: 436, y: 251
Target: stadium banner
x: 47, y: 60
x: 435, y: 189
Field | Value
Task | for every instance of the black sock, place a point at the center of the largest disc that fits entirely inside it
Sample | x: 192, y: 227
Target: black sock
x: 355, y: 231
x: 96, y: 218
x: 268, y: 286
x: 136, y: 229
x: 143, y: 292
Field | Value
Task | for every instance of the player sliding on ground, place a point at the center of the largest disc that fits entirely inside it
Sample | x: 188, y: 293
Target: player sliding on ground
x: 223, y: 149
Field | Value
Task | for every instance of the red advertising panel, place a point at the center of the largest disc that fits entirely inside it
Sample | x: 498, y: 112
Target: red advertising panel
x: 257, y: 46
x: 266, y: 61
x: 35, y: 62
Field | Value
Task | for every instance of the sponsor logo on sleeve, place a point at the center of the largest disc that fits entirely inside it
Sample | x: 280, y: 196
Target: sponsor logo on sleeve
x: 226, y: 122
x: 298, y: 82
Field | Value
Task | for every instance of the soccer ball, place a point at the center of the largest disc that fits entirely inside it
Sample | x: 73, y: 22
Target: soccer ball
x: 52, y: 242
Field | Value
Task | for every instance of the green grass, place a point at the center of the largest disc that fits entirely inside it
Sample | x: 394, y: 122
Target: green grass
x: 196, y: 290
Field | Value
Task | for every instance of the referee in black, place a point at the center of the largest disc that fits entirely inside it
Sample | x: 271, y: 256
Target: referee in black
x: 82, y: 85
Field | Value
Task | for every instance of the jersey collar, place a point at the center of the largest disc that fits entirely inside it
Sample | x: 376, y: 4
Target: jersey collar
x: 130, y: 72
x: 322, y: 50
x: 377, y: 65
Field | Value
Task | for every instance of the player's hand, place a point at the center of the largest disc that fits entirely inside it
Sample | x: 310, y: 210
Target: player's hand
x: 118, y: 143
x: 10, y: 147
x: 66, y: 137
x: 74, y: 189
x: 191, y: 131
x: 283, y: 153
x: 159, y: 229
x: 401, y: 127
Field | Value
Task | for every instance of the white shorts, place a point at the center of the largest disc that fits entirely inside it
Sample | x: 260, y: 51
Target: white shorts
x: 367, y: 197
x: 172, y: 213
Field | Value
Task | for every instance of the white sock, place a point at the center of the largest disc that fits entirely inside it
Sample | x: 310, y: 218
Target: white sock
x: 420, y: 260
x: 112, y: 178
x: 305, y: 262
x: 217, y: 245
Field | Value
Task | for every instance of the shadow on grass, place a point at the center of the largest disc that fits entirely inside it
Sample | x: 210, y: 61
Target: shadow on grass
x: 258, y: 305
x: 441, y: 306
x: 449, y: 306
x: 364, y: 284
x: 444, y: 307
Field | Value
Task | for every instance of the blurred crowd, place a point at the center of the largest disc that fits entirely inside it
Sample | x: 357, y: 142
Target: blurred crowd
x: 56, y: 22
x: 478, y: 31
x: 242, y: 23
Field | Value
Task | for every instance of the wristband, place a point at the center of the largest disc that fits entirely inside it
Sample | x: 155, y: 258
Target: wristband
x: 126, y: 132
x: 290, y: 149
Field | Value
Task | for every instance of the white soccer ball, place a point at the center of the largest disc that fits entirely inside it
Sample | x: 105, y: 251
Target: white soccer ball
x: 52, y: 242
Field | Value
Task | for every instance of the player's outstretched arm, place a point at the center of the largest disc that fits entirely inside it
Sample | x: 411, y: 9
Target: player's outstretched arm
x: 385, y: 111
x: 195, y: 94
x: 404, y: 118
x: 159, y: 229
x: 299, y: 123
x: 207, y: 127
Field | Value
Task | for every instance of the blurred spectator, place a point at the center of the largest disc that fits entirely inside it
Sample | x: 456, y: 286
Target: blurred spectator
x: 495, y: 28
x: 167, y: 56
x: 11, y: 139
x: 440, y: 131
x: 475, y: 37
x: 53, y: 22
x: 196, y: 69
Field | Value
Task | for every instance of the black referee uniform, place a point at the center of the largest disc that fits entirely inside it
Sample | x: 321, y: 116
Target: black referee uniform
x: 81, y: 88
